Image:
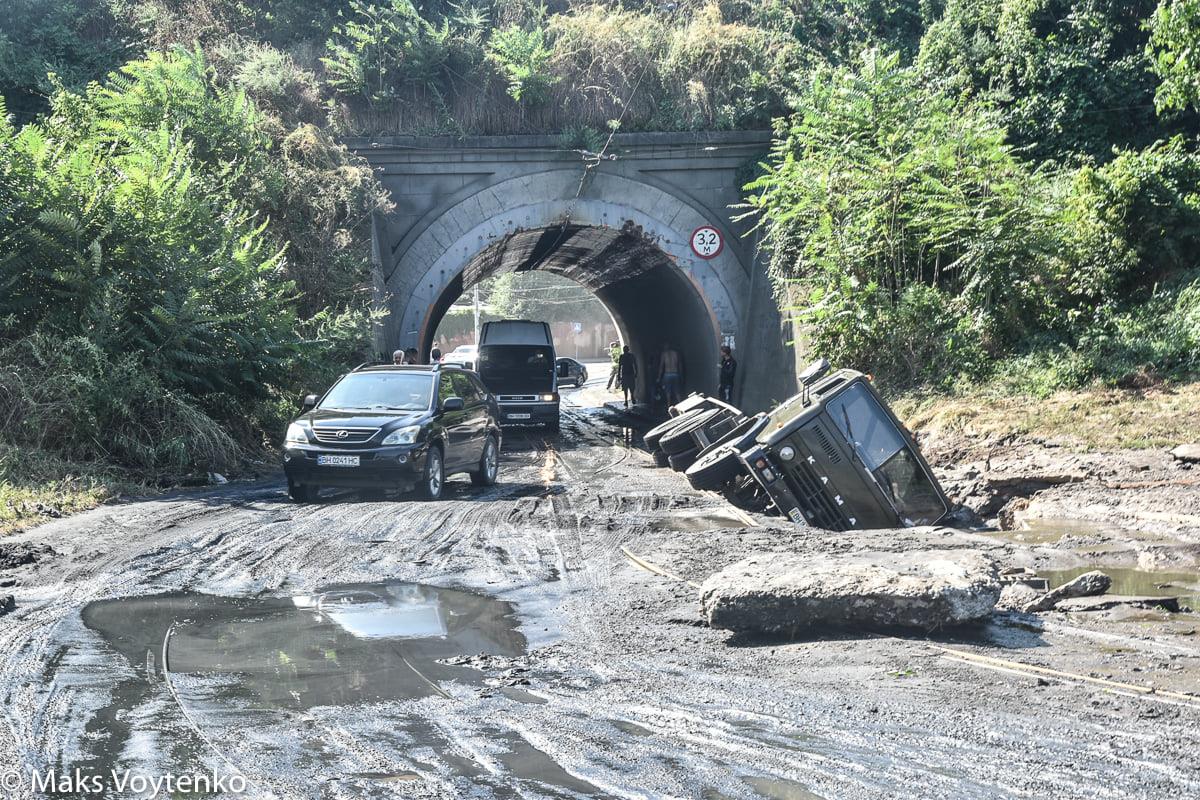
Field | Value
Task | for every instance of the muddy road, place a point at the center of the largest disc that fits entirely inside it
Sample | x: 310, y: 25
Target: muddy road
x: 503, y: 643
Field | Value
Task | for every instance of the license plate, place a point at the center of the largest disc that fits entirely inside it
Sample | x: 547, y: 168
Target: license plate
x: 337, y: 461
x: 518, y: 416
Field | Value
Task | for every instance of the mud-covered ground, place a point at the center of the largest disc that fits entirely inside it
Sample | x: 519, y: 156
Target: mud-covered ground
x: 233, y: 632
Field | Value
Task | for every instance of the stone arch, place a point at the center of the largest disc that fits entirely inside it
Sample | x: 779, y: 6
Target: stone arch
x: 697, y: 298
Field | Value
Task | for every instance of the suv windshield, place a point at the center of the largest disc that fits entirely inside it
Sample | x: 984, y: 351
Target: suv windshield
x: 381, y: 391
x: 881, y: 447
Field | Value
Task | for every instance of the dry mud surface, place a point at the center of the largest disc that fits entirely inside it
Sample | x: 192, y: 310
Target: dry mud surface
x: 221, y: 631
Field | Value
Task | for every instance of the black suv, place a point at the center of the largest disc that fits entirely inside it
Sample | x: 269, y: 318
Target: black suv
x: 394, y: 427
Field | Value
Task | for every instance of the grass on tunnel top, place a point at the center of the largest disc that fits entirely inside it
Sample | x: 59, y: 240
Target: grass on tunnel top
x: 1098, y: 418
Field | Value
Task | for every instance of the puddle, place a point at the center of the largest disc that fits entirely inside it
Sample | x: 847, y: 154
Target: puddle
x: 1050, y: 530
x: 781, y: 789
x: 700, y: 522
x: 263, y: 661
x: 350, y: 644
x: 1151, y: 583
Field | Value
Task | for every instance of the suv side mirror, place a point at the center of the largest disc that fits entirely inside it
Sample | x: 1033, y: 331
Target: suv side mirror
x: 308, y: 402
x: 452, y: 404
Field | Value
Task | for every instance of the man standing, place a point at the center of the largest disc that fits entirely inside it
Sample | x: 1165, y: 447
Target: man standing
x: 628, y: 371
x: 670, y: 374
x: 728, y: 372
x: 435, y: 355
x: 398, y: 357
x: 614, y: 375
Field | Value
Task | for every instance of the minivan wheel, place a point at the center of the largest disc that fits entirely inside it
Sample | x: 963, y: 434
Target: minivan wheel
x: 489, y: 464
x: 302, y: 493
x: 553, y: 427
x: 434, y: 478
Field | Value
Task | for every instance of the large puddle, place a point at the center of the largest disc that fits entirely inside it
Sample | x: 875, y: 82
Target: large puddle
x: 262, y: 663
x: 349, y: 644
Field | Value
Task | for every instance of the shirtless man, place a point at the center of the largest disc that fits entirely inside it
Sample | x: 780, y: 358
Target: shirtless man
x: 670, y: 374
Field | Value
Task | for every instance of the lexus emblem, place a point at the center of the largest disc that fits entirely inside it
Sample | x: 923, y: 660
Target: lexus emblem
x: 343, y: 434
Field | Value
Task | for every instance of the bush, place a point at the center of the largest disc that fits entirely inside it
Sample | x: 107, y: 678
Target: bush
x: 877, y: 185
x: 66, y: 395
x: 1133, y: 222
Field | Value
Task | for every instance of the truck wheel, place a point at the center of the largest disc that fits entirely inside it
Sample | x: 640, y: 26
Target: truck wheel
x: 715, y: 468
x: 434, y: 476
x: 489, y: 464
x: 655, y: 434
x: 681, y: 461
x: 680, y: 439
x: 661, y: 459
x: 302, y: 493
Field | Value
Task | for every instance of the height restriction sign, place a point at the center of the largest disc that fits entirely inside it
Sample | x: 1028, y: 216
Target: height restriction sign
x: 707, y: 242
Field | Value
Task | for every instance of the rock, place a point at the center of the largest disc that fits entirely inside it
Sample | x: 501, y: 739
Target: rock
x: 18, y: 555
x: 1016, y: 596
x: 1085, y: 585
x: 783, y: 593
x: 1108, y: 601
x: 7, y: 604
x: 1187, y: 453
x: 217, y: 479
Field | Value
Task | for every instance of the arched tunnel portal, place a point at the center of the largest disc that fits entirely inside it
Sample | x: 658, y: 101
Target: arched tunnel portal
x: 652, y: 302
x: 621, y: 226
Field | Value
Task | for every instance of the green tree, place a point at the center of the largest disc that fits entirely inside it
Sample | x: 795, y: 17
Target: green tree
x: 1069, y: 76
x: 891, y: 212
x: 1174, y: 49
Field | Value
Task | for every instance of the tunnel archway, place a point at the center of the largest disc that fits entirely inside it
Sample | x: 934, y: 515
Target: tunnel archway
x: 651, y: 301
x: 626, y: 241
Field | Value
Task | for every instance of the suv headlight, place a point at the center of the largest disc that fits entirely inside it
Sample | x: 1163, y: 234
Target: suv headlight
x: 296, y: 434
x: 403, y: 435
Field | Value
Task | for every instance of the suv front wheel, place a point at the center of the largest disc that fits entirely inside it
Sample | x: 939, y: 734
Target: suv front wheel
x: 434, y: 477
x: 301, y: 493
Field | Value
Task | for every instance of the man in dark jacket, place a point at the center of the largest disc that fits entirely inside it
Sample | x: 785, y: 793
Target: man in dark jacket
x: 628, y: 370
x: 728, y: 373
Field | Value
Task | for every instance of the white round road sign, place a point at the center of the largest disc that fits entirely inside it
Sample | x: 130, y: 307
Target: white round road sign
x: 707, y: 242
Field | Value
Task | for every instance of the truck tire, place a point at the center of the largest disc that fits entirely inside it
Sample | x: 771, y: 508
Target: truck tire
x: 653, y: 436
x: 660, y: 459
x: 681, y: 439
x: 681, y: 461
x: 714, y: 469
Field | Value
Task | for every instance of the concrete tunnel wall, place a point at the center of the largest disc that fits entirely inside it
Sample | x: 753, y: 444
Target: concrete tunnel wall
x: 456, y: 197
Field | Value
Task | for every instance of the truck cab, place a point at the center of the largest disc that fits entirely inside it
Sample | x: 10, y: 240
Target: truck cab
x: 835, y: 457
x: 516, y: 361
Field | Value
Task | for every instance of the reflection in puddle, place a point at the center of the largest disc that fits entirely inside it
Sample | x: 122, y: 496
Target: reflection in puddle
x: 1138, y: 582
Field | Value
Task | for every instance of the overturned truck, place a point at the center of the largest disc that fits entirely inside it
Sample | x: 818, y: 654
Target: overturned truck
x: 833, y: 456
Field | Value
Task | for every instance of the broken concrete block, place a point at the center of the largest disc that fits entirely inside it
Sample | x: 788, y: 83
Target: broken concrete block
x: 1086, y: 585
x: 783, y: 593
x: 1016, y: 596
x: 1188, y: 453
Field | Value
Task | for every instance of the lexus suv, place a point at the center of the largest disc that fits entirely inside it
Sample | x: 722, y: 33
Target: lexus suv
x: 394, y: 427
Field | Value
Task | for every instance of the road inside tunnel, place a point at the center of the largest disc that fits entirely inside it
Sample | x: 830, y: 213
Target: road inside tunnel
x: 651, y: 300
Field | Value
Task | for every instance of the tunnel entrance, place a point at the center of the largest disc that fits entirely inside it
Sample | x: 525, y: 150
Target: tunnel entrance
x: 651, y: 300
